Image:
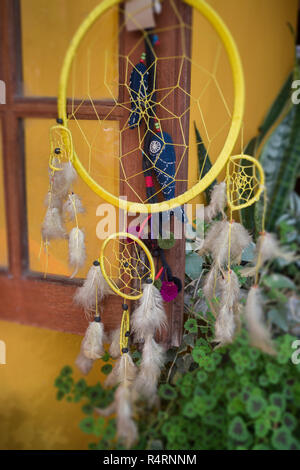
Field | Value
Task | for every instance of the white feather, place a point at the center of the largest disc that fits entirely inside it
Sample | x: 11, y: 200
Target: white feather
x: 92, y: 343
x: 150, y: 369
x: 267, y: 248
x: 210, y: 283
x: 259, y: 334
x: 217, y: 240
x: 62, y: 180
x: 73, y: 206
x: 123, y: 374
x: 124, y: 369
x: 240, y: 239
x: 230, y: 289
x: 149, y: 316
x: 53, y: 227
x: 77, y: 253
x: 114, y: 349
x: 83, y: 363
x: 94, y: 284
x: 225, y: 326
x: 51, y: 200
x: 126, y: 427
x: 225, y: 323
x: 218, y: 200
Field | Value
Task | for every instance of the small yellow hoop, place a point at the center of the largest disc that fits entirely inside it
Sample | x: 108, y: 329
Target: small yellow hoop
x: 62, y: 134
x: 253, y: 199
x: 124, y: 236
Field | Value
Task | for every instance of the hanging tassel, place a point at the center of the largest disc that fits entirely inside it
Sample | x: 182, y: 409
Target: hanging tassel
x: 260, y: 336
x: 218, y: 200
x: 92, y: 343
x: 149, y: 316
x: 73, y: 206
x: 150, y: 369
x: 52, y: 227
x: 93, y: 290
x: 225, y: 322
x: 77, y: 253
x: 114, y: 349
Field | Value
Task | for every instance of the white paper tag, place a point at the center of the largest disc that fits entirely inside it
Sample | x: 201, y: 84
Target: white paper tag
x: 139, y: 15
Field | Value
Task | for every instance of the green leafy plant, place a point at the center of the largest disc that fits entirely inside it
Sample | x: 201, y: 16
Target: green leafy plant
x: 233, y: 398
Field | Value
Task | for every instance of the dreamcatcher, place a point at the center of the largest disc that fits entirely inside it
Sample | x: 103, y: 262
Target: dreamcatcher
x: 152, y: 98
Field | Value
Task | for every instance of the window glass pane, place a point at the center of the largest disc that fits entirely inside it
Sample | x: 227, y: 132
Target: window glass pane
x: 37, y: 157
x: 3, y: 234
x: 47, y: 28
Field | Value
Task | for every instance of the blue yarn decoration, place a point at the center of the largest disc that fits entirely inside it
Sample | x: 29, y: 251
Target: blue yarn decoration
x: 138, y: 93
x: 161, y: 153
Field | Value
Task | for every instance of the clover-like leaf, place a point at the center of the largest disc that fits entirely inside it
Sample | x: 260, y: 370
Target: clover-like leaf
x: 255, y: 406
x: 88, y: 409
x: 191, y: 325
x: 262, y: 427
x: 106, y: 369
x: 189, y: 410
x: 273, y: 413
x: 282, y: 438
x: 289, y: 421
x: 238, y: 429
x: 87, y: 425
x: 278, y: 400
x: 201, y: 376
x: 167, y: 392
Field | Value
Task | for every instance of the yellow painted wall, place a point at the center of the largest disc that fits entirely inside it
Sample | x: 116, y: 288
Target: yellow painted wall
x: 30, y: 417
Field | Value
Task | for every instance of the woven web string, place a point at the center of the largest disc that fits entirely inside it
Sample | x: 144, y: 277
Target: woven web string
x: 153, y: 107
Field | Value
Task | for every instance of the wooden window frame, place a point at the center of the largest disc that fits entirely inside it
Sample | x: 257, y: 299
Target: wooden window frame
x: 25, y: 296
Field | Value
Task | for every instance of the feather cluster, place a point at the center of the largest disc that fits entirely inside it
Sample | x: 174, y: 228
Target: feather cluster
x: 72, y: 207
x: 218, y: 201
x: 225, y: 326
x: 267, y: 248
x: 53, y: 227
x: 92, y: 346
x: 260, y: 336
x: 148, y: 319
x: 93, y: 290
x: 83, y: 363
x: 123, y: 375
x: 220, y: 235
x: 62, y: 179
x: 114, y: 349
x: 150, y: 369
x: 77, y: 252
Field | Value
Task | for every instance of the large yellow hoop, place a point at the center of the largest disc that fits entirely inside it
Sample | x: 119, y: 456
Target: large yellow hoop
x: 238, y: 109
x: 124, y: 236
